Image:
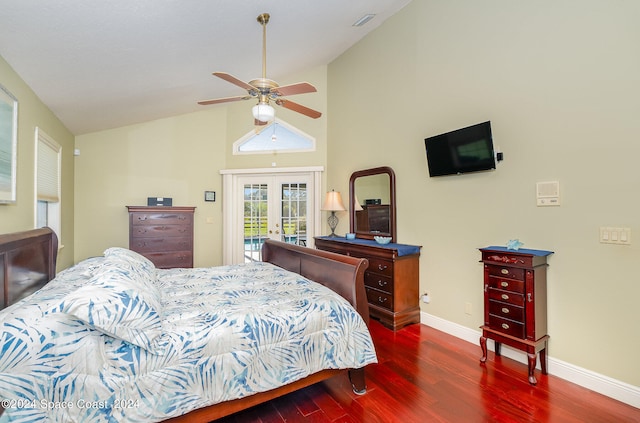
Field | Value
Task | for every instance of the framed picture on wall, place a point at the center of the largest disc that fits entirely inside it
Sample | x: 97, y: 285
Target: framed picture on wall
x: 8, y: 145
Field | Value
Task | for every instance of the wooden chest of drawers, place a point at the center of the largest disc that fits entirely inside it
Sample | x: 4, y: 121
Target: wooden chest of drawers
x: 391, y: 280
x: 515, y: 303
x: 162, y: 234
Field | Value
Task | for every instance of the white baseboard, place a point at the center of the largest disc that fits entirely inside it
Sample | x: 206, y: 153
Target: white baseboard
x: 604, y: 385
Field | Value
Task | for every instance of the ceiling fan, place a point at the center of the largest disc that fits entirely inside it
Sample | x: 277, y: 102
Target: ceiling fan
x: 266, y: 90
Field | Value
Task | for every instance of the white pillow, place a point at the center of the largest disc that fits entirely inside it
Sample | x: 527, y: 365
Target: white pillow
x: 130, y: 256
x: 121, y: 301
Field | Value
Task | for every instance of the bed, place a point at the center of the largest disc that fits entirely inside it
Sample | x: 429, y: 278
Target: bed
x: 115, y: 339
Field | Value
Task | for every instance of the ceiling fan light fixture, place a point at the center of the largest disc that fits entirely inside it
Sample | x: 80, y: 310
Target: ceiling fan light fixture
x: 263, y: 112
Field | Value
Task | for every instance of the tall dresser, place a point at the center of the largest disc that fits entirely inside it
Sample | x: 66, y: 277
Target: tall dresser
x: 515, y: 303
x: 162, y: 234
x: 391, y: 280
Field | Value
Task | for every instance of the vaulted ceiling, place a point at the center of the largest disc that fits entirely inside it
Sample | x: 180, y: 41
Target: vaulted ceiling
x: 104, y: 64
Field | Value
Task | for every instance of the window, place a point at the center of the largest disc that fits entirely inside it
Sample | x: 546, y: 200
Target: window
x: 277, y: 136
x: 48, y: 159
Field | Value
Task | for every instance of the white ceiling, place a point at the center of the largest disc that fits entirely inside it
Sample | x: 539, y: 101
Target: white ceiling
x: 100, y: 64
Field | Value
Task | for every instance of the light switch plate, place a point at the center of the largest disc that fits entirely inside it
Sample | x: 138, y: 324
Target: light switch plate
x: 614, y: 235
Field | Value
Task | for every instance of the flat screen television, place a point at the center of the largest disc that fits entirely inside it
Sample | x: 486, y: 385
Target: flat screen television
x: 464, y: 150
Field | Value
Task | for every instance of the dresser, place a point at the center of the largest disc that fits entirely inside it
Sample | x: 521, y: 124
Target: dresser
x: 391, y: 280
x: 162, y: 234
x: 515, y: 303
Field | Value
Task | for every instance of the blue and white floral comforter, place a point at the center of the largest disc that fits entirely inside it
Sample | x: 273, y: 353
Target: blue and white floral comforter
x: 113, y: 339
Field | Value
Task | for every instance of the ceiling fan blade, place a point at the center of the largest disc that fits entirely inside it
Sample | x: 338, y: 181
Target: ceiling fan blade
x: 288, y: 104
x: 224, y: 100
x: 293, y: 89
x: 235, y: 81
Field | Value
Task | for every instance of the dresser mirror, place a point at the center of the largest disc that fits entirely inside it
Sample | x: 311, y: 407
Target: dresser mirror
x: 372, y: 203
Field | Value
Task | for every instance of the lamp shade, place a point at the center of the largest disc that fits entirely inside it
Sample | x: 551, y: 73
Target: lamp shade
x: 333, y: 201
x: 263, y: 112
x: 357, y: 206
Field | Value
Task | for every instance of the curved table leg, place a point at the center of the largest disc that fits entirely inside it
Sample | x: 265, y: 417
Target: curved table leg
x: 483, y: 345
x: 532, y: 368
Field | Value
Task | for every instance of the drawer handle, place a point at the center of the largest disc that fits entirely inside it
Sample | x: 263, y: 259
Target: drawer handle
x: 142, y: 217
x: 382, y: 267
x: 529, y: 297
x: 504, y: 271
x: 382, y: 300
x: 505, y: 310
x: 505, y: 326
x: 486, y: 287
x: 381, y: 282
x: 504, y: 296
x: 504, y: 284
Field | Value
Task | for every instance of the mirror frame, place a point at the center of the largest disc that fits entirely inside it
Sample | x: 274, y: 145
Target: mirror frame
x: 392, y: 201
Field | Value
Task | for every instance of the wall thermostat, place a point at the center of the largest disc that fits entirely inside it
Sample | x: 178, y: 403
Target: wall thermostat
x: 209, y: 196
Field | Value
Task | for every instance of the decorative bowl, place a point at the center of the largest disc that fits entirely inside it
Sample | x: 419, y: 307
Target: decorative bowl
x: 351, y: 235
x: 382, y: 239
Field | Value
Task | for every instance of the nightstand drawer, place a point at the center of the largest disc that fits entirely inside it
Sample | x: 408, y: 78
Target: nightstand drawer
x: 507, y: 311
x: 379, y: 298
x: 161, y: 244
x: 167, y: 260
x: 380, y: 282
x: 506, y: 326
x: 506, y: 272
x: 506, y: 284
x: 161, y: 231
x: 382, y: 267
x: 506, y: 296
x: 160, y: 218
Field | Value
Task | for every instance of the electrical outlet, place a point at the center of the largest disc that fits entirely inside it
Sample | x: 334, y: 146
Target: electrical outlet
x: 426, y: 298
x: 467, y: 308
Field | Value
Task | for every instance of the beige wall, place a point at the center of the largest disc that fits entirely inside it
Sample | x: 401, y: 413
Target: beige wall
x: 559, y: 81
x: 178, y: 157
x: 32, y: 113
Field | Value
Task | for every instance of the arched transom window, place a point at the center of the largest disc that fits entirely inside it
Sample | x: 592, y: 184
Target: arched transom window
x: 277, y: 136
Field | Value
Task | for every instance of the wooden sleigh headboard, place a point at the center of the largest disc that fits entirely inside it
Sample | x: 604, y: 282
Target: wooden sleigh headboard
x: 27, y: 263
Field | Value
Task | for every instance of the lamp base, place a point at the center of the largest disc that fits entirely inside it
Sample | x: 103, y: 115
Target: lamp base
x: 333, y: 222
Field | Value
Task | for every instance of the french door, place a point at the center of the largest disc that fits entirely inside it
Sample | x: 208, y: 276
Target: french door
x: 280, y: 206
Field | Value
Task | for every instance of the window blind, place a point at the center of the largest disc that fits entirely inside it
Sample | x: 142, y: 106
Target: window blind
x: 48, y: 169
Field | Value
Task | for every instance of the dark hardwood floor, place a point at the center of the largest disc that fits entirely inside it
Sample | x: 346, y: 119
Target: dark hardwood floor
x: 425, y: 375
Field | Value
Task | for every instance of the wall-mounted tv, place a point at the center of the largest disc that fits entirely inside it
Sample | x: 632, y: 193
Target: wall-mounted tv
x: 464, y: 150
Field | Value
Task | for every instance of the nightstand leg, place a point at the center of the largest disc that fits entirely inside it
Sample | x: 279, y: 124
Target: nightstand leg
x: 532, y: 368
x: 483, y: 345
x: 498, y: 348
